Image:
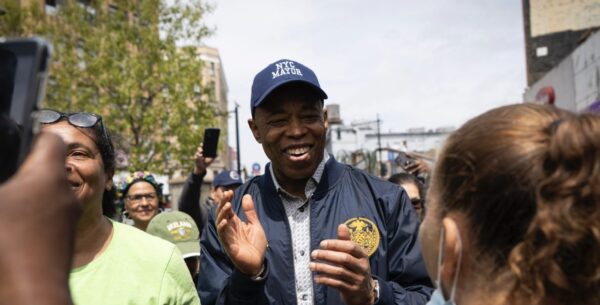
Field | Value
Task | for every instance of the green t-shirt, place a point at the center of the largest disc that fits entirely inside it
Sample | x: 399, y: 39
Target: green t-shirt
x: 135, y: 268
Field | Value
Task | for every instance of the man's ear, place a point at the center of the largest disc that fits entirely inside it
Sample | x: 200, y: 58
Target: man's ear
x: 254, y: 129
x: 325, y: 117
x: 451, y: 258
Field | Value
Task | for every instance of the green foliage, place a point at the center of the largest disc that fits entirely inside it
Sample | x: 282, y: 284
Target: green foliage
x: 124, y: 63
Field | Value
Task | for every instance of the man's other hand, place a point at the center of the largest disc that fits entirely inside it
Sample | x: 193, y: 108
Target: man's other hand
x: 344, y: 265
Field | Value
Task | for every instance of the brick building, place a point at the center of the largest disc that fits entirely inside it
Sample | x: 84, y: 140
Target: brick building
x: 553, y: 29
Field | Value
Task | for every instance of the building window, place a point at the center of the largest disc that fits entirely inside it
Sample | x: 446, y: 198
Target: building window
x: 541, y: 51
x: 212, y: 68
x: 50, y: 7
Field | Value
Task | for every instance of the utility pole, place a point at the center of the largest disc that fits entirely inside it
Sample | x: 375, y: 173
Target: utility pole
x: 379, y: 146
x: 378, y: 121
x: 237, y: 135
x: 237, y: 139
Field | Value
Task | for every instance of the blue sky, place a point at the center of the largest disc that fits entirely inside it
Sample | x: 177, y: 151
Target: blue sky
x: 415, y: 63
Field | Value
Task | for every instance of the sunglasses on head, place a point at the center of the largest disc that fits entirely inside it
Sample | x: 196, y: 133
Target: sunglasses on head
x: 77, y: 119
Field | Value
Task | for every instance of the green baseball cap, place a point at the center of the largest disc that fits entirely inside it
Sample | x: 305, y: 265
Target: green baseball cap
x: 178, y: 228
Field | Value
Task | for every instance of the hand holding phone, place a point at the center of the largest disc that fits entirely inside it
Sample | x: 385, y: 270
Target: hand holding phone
x: 404, y: 160
x: 210, y: 142
x: 23, y: 71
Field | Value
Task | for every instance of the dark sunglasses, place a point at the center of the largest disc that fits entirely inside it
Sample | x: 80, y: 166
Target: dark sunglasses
x: 77, y: 119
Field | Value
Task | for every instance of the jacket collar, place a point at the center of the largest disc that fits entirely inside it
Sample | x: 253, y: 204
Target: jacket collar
x: 331, y: 176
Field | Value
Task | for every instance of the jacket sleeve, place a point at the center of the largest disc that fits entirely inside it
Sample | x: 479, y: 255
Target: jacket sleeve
x: 219, y: 282
x: 408, y: 282
x: 189, y: 201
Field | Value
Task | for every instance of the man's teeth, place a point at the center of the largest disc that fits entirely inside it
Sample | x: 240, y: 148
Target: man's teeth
x: 297, y: 151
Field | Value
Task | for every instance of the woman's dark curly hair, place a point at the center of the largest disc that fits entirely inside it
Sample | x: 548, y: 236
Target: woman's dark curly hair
x: 527, y: 177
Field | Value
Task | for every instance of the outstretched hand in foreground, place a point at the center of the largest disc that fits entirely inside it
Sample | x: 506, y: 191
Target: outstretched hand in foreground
x: 38, y: 215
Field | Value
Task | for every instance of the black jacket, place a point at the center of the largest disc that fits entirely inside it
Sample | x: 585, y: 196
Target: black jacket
x: 344, y: 193
x: 189, y: 201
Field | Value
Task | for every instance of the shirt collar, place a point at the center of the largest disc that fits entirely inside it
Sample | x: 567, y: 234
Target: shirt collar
x: 311, y: 184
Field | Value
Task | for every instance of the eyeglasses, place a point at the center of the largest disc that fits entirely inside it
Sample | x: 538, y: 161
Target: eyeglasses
x: 139, y: 197
x: 77, y: 119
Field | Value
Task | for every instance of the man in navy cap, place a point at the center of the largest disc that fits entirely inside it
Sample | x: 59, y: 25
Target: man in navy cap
x: 311, y: 230
x: 225, y: 181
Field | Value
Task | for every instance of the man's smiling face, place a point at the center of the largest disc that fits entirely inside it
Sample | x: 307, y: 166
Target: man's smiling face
x: 291, y: 125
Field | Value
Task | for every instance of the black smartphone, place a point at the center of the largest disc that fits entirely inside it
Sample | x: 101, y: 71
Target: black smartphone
x: 23, y: 73
x: 210, y: 142
x: 404, y: 160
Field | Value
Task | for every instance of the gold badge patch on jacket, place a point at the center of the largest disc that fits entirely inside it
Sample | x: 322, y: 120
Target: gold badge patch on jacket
x: 364, y: 233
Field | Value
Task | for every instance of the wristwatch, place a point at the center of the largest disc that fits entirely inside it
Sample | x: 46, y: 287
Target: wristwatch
x: 261, y: 274
x: 376, y: 291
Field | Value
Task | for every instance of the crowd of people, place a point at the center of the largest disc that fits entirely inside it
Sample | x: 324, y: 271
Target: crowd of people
x: 509, y: 214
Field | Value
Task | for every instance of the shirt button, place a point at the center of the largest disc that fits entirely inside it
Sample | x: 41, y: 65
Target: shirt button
x: 304, y: 297
x: 302, y: 252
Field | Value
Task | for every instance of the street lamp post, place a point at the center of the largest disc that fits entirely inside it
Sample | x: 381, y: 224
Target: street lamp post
x: 379, y: 146
x: 237, y: 137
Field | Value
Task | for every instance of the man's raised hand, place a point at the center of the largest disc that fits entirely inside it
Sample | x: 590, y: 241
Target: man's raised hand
x: 244, y: 242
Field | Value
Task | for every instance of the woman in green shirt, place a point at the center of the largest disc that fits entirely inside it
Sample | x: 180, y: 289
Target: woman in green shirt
x: 112, y: 263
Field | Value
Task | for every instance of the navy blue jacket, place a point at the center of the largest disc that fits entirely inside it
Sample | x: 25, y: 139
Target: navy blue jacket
x: 343, y: 193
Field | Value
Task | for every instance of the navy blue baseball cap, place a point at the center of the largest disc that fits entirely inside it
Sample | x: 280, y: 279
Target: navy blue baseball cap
x: 279, y: 73
x: 227, y: 178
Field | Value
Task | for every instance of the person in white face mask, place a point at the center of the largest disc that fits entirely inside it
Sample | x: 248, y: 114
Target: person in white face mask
x: 514, y: 210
